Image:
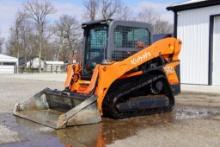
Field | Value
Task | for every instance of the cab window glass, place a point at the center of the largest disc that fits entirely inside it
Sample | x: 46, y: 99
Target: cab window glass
x: 127, y: 37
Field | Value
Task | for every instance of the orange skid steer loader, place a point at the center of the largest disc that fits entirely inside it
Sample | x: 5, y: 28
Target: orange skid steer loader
x: 122, y: 75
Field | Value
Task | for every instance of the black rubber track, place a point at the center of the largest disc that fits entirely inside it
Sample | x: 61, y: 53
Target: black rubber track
x: 122, y: 90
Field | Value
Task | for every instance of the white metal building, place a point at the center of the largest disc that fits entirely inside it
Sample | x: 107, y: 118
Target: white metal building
x: 54, y: 66
x: 8, y: 64
x: 197, y: 24
x: 47, y: 66
x: 34, y: 63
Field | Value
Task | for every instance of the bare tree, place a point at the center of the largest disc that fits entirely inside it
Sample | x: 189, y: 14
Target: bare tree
x: 15, y: 43
x: 22, y: 41
x: 150, y: 16
x: 67, y: 31
x: 125, y: 13
x: 104, y: 9
x: 162, y: 27
x: 1, y: 43
x: 91, y: 9
x: 109, y: 8
x: 38, y: 11
x: 19, y: 25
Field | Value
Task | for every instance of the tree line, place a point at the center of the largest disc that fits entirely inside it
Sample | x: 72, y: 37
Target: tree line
x: 33, y: 36
x: 1, y: 43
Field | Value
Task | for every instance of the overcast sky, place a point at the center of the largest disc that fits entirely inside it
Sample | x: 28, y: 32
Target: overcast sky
x: 8, y: 9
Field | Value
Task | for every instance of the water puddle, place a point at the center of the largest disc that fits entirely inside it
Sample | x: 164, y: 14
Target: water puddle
x: 98, y: 135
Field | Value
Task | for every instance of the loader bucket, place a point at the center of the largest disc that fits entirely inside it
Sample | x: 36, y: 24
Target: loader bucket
x: 57, y: 109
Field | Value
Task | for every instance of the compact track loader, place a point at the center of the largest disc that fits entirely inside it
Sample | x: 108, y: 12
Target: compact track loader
x: 123, y: 74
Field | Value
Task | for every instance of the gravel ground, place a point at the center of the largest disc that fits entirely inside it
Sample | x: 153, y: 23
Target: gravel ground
x: 54, y: 77
x: 196, y: 132
x: 16, y: 88
x: 194, y: 122
x: 8, y: 136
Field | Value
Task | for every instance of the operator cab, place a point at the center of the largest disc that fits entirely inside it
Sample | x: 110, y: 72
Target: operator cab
x: 112, y: 40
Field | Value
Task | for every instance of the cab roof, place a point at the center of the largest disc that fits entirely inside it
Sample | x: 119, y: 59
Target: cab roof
x: 121, y: 22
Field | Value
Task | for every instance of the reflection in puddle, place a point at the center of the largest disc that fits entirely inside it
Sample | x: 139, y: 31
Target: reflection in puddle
x: 99, y: 135
x: 108, y: 131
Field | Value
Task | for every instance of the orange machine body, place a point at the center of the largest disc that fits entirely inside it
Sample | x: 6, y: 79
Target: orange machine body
x: 104, y: 75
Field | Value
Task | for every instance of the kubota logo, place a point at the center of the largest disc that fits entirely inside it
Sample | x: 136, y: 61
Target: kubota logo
x: 141, y: 58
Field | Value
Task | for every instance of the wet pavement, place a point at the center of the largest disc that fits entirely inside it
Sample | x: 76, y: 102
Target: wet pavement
x: 98, y: 135
x: 195, y: 121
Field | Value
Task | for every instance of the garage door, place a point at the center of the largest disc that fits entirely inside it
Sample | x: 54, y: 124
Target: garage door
x: 7, y: 69
x: 216, y: 51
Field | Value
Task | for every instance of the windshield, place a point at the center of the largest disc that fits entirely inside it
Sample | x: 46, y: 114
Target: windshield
x: 96, y: 43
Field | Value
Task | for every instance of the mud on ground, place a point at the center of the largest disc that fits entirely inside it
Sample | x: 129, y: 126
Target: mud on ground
x: 195, y: 121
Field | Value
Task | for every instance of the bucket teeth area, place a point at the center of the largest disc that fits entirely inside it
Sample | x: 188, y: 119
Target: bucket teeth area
x: 57, y: 110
